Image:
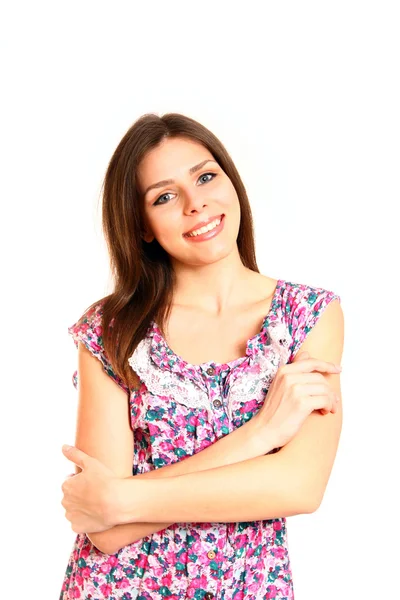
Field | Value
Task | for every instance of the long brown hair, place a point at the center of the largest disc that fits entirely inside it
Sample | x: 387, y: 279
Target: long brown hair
x: 143, y: 277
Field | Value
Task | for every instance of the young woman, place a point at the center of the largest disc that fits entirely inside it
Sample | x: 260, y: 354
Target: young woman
x: 200, y: 426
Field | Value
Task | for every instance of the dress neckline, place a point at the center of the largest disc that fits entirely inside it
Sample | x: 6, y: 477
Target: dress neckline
x: 160, y: 345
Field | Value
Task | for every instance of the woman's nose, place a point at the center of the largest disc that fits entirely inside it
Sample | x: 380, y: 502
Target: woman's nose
x: 194, y: 201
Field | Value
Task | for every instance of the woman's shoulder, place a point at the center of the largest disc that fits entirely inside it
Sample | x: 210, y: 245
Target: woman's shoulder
x: 88, y: 330
x: 292, y: 293
x: 92, y: 315
x: 299, y: 303
x: 306, y: 294
x: 302, y: 306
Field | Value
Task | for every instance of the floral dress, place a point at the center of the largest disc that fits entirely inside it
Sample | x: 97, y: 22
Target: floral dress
x: 178, y: 410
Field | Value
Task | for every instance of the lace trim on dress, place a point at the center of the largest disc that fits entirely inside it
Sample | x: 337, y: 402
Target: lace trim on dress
x: 166, y: 383
x: 245, y: 383
x: 255, y: 380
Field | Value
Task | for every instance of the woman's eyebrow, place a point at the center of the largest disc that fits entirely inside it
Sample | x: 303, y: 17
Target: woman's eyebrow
x: 191, y: 171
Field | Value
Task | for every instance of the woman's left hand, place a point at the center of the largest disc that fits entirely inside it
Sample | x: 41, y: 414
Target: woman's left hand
x: 88, y: 495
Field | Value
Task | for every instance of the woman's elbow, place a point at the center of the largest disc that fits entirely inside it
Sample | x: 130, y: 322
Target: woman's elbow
x: 313, y: 500
x: 102, y: 544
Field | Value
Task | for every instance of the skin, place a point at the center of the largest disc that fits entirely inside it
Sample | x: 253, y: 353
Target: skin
x: 210, y: 275
x: 211, y: 280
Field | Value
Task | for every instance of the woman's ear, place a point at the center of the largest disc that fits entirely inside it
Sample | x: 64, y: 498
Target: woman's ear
x: 147, y: 236
x: 145, y: 231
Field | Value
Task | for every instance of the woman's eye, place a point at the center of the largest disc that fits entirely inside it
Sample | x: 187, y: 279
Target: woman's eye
x: 158, y: 199
x: 213, y: 175
x: 204, y: 174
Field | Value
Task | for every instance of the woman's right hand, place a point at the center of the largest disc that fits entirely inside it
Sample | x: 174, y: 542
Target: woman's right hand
x: 295, y: 392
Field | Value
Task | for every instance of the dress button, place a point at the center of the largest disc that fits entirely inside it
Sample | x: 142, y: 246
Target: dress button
x: 210, y: 371
x: 208, y: 596
x: 211, y: 554
x: 217, y: 404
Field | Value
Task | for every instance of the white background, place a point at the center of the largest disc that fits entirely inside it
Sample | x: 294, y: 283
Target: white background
x: 305, y: 97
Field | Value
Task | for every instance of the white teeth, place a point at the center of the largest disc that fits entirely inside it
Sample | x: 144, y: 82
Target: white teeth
x: 206, y: 228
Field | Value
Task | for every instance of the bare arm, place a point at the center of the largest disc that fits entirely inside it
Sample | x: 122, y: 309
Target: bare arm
x: 248, y: 441
x: 293, y: 481
x: 288, y: 483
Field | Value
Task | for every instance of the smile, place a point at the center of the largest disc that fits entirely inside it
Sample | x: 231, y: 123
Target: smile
x: 207, y: 232
x: 208, y: 227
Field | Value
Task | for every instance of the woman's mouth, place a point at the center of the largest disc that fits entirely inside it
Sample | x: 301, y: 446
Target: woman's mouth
x: 209, y: 231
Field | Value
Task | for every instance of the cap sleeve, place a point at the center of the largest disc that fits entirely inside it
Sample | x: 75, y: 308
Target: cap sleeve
x: 306, y: 305
x: 88, y: 330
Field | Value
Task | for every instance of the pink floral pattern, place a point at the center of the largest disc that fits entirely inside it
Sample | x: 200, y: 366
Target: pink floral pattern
x: 178, y: 410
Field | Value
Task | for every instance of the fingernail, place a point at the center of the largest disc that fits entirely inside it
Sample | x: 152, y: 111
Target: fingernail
x: 66, y: 447
x: 339, y: 367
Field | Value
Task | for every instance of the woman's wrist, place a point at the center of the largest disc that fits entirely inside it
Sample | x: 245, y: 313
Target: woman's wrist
x: 124, y: 499
x: 265, y: 436
x: 255, y: 438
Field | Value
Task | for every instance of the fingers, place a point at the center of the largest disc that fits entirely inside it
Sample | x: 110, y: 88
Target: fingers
x: 312, y: 388
x: 313, y: 364
x: 326, y: 404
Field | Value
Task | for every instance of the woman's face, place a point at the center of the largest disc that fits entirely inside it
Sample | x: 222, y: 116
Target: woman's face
x: 174, y: 208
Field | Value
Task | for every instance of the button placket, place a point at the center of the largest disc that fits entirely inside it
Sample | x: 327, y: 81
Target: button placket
x: 216, y: 402
x: 211, y: 554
